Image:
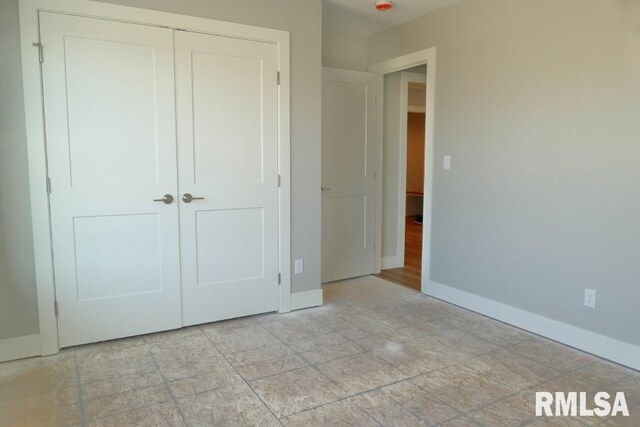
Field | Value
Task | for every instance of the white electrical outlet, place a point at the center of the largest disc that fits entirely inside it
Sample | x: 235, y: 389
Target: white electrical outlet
x: 298, y: 266
x: 446, y: 165
x: 590, y: 298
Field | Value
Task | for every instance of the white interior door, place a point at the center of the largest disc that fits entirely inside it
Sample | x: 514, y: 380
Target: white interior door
x: 110, y: 124
x: 348, y: 187
x: 227, y: 105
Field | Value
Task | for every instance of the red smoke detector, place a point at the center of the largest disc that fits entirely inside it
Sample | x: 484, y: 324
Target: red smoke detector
x: 383, y: 5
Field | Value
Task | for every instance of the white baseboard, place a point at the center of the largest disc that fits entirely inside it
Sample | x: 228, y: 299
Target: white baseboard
x: 591, y: 342
x: 390, y: 262
x: 19, y: 347
x: 306, y: 299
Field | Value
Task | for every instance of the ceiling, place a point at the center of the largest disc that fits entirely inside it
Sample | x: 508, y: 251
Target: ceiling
x: 361, y: 16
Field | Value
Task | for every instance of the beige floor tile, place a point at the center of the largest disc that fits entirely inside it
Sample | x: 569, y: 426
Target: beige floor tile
x: 242, y: 338
x: 123, y: 402
x: 467, y: 343
x: 513, y: 411
x: 602, y: 373
x: 420, y: 402
x: 190, y: 357
x: 631, y: 387
x: 511, y: 369
x: 294, y: 324
x: 408, y: 356
x: 34, y: 376
x: 296, y: 391
x: 219, y: 378
x: 453, y: 353
x: 620, y: 421
x: 258, y: 355
x: 115, y: 385
x: 314, y: 342
x: 176, y: 334
x: 555, y: 422
x: 499, y: 333
x: 192, y: 365
x: 53, y: 417
x: 50, y: 401
x: 554, y: 355
x: 163, y: 414
x: 462, y: 388
x: 364, y: 327
x: 344, y: 413
x: 374, y: 354
x: 359, y: 373
x: 566, y: 383
x: 419, y: 331
x: 333, y: 352
x: 381, y: 407
x: 231, y: 406
x: 124, y: 362
x: 272, y: 367
x: 464, y: 421
x: 233, y: 323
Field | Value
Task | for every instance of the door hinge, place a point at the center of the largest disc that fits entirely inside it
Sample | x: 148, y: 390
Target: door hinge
x: 279, y: 180
x: 40, y: 55
x: 278, y: 78
x: 279, y: 278
x: 48, y: 185
x: 55, y: 308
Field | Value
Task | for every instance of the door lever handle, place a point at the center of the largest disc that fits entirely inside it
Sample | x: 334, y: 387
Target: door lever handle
x: 325, y: 188
x: 188, y: 198
x: 167, y: 199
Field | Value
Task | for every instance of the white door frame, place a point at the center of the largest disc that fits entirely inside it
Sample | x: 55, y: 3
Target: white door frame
x: 36, y: 138
x: 405, y: 79
x: 423, y: 57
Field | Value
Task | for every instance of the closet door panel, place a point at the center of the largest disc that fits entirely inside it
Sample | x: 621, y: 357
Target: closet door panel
x: 110, y: 123
x: 227, y: 100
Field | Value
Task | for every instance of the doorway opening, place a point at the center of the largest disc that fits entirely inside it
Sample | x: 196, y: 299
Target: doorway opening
x: 405, y: 119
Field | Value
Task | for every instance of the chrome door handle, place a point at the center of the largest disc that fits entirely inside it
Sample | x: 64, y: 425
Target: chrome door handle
x: 325, y: 189
x: 188, y: 198
x: 167, y: 199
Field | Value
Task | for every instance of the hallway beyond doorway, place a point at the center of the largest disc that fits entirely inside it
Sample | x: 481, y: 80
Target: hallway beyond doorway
x: 410, y: 274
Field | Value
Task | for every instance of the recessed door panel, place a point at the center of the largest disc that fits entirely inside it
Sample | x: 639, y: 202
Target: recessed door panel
x: 228, y: 146
x: 111, y: 148
x: 227, y: 98
x: 117, y: 256
x: 112, y: 124
x: 214, y: 242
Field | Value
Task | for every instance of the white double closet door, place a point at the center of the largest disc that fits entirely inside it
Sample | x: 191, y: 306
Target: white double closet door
x: 134, y: 113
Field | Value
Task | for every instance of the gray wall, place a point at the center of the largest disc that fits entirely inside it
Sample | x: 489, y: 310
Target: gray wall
x: 538, y: 102
x: 303, y: 18
x: 346, y: 51
x: 18, y: 307
x: 391, y: 166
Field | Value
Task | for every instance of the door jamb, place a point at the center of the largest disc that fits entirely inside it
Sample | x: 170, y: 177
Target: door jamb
x: 423, y: 57
x: 36, y: 138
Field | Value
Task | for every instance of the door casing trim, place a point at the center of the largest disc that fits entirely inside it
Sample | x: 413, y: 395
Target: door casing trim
x: 422, y: 57
x: 36, y: 137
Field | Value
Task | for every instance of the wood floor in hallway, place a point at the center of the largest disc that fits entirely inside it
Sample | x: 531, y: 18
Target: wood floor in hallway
x: 410, y: 274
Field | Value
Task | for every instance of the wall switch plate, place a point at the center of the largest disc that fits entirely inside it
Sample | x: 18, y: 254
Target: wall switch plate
x: 590, y: 298
x: 298, y: 266
x: 447, y: 163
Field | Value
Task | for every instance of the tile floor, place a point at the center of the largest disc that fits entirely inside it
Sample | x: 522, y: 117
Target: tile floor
x: 375, y: 354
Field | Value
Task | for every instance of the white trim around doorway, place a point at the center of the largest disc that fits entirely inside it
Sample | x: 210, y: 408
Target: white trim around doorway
x: 36, y: 141
x: 423, y: 57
